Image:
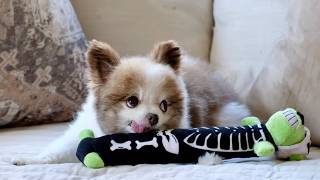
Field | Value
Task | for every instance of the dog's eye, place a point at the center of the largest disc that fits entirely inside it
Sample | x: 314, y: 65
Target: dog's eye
x: 163, y: 106
x: 132, y: 102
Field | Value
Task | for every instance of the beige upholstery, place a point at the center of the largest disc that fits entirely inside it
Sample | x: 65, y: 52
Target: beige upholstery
x: 269, y: 51
x: 132, y: 27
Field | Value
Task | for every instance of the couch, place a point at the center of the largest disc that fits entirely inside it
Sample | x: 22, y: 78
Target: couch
x: 267, y: 51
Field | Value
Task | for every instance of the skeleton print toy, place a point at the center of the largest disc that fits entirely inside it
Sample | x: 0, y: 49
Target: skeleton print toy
x: 283, y: 135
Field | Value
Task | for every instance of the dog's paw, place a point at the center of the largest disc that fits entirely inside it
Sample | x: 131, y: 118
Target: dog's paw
x: 20, y: 161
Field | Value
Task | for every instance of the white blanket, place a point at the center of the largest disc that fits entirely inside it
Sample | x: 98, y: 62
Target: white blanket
x: 29, y: 141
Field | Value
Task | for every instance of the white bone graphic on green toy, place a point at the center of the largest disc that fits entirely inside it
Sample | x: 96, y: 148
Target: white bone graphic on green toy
x: 284, y: 135
x: 288, y: 132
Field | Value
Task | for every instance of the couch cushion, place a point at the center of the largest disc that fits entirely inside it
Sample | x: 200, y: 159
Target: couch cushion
x: 269, y: 50
x: 41, y: 62
x: 132, y: 27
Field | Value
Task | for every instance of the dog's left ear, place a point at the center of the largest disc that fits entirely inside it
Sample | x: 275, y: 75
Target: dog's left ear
x: 167, y: 52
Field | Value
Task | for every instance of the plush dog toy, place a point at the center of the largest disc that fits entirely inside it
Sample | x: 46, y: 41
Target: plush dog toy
x: 283, y: 135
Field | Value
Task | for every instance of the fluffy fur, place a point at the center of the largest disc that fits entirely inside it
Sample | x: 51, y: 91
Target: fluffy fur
x: 209, y: 159
x: 163, y: 90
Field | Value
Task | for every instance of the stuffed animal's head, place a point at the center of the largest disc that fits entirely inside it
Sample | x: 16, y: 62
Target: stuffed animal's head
x: 286, y: 127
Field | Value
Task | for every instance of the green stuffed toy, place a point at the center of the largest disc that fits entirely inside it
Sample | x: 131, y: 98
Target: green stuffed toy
x: 283, y: 135
x: 288, y: 132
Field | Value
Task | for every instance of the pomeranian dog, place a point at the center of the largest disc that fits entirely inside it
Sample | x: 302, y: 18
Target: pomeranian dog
x: 163, y: 90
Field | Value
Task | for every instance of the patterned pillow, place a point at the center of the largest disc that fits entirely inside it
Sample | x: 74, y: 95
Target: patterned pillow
x: 41, y: 62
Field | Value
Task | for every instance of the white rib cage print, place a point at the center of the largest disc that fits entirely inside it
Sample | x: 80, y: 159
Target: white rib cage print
x: 205, y: 146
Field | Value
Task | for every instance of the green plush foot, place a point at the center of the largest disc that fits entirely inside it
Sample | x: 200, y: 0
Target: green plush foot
x: 263, y: 148
x: 297, y: 157
x: 86, y: 133
x: 93, y: 160
x: 250, y: 121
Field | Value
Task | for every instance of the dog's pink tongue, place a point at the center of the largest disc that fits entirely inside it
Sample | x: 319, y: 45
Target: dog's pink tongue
x: 137, y: 128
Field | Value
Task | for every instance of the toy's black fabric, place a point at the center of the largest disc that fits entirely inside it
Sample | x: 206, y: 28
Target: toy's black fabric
x: 175, y: 146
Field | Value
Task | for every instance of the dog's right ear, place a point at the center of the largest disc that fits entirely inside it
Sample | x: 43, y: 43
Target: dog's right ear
x: 168, y: 53
x: 102, y: 59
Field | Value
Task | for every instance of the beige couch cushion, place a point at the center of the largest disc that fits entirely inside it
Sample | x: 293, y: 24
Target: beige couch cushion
x: 41, y: 62
x: 270, y: 49
x: 132, y: 27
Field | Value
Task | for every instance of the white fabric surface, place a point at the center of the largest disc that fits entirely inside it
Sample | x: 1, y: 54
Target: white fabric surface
x: 245, y: 33
x: 30, y: 140
x: 269, y: 51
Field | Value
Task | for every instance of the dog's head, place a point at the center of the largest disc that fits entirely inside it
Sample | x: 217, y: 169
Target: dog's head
x: 137, y: 94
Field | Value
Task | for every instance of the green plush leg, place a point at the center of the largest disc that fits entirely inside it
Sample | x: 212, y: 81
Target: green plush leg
x: 93, y: 160
x: 250, y: 121
x: 86, y: 133
x: 297, y: 157
x: 264, y: 148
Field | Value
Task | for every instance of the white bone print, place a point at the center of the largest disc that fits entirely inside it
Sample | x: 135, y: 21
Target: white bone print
x: 171, y: 145
x: 153, y: 143
x: 125, y: 145
x: 231, y: 146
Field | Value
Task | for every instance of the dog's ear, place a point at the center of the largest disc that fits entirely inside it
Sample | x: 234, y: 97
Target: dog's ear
x: 167, y: 52
x: 102, y: 59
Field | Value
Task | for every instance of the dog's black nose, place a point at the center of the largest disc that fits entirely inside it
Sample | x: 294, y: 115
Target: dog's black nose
x: 152, y: 118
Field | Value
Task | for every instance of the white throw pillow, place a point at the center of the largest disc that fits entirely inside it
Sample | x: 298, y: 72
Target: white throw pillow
x: 269, y: 50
